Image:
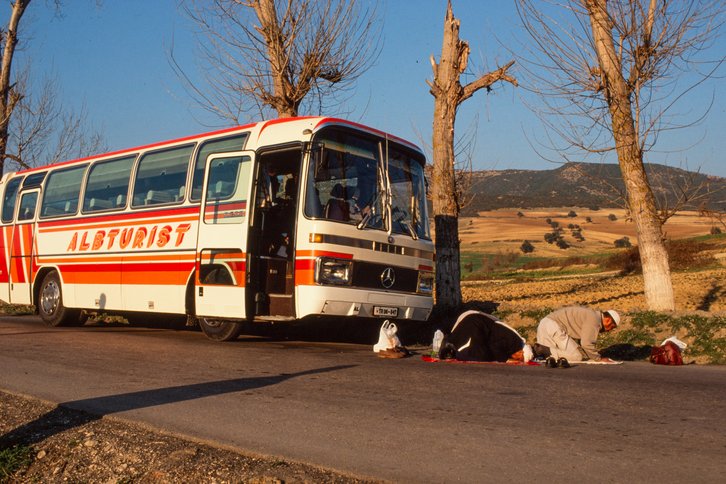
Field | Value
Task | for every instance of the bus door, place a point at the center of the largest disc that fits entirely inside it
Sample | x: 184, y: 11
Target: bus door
x: 271, y: 253
x: 21, y: 248
x: 222, y: 238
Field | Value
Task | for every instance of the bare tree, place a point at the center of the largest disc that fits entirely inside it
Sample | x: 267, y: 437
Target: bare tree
x: 42, y: 130
x: 9, y: 96
x: 288, y: 56
x: 34, y: 126
x: 610, y: 71
x: 448, y: 95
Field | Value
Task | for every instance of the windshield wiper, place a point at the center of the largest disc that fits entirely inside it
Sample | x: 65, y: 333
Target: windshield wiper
x: 410, y: 229
x: 371, y: 212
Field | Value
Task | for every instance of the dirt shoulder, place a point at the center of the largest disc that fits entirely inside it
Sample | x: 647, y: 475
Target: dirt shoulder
x: 65, y: 445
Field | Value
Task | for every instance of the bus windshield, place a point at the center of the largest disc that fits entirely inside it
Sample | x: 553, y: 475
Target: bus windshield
x: 348, y: 181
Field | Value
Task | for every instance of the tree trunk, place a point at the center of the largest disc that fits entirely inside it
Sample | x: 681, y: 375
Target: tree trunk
x: 447, y: 90
x: 641, y: 202
x: 448, y: 95
x: 445, y: 207
x: 270, y: 29
x: 7, y: 103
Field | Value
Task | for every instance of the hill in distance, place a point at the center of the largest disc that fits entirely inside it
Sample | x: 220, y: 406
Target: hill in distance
x: 588, y: 185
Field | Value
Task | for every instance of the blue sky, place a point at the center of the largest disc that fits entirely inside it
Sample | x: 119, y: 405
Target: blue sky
x: 113, y: 59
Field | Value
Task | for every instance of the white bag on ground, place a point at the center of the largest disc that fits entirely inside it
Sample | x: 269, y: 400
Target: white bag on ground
x: 387, y: 338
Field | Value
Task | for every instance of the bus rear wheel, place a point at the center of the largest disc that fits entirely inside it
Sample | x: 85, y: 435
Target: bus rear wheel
x: 50, y: 303
x: 219, y: 329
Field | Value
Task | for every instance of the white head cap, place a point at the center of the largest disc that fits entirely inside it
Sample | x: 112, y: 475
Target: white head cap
x: 614, y: 314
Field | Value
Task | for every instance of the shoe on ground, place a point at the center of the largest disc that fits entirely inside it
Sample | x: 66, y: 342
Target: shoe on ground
x: 550, y: 362
x: 563, y: 363
x: 541, y: 351
x: 397, y: 352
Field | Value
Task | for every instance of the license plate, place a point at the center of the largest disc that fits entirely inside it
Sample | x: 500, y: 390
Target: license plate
x: 385, y: 311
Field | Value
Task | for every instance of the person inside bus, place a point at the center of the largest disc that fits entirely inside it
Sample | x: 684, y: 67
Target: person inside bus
x: 364, y: 195
x: 272, y: 185
x: 337, y: 207
x: 281, y: 248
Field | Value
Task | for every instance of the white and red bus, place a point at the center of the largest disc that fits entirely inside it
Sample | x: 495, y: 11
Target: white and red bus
x: 274, y: 221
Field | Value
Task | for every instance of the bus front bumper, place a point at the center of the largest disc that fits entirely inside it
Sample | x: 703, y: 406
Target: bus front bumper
x: 335, y: 301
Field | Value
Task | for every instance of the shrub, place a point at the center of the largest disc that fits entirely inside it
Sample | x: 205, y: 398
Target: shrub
x: 688, y: 254
x: 588, y: 220
x: 554, y: 224
x: 572, y: 214
x: 682, y: 255
x: 612, y: 217
x: 626, y: 262
x: 527, y: 247
x: 562, y: 244
x: 623, y: 243
x: 520, y: 214
x: 554, y: 262
x: 715, y: 230
x: 548, y: 221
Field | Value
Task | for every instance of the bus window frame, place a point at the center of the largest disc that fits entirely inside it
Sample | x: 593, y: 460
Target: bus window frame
x: 11, y: 219
x: 90, y: 169
x: 135, y: 177
x: 23, y: 193
x: 81, y: 191
x: 191, y: 172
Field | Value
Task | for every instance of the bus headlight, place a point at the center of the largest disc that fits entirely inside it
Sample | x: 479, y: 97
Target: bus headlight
x: 333, y: 271
x: 425, y: 282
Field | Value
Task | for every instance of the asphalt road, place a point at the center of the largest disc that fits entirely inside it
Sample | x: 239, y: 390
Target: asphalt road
x: 339, y: 406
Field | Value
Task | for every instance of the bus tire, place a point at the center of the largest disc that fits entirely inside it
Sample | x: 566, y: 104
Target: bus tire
x: 219, y: 329
x: 50, y: 303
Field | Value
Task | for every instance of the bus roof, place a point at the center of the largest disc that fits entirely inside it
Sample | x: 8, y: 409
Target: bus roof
x: 312, y: 123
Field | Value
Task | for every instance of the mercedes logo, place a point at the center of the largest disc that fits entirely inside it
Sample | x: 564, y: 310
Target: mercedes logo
x: 388, y: 277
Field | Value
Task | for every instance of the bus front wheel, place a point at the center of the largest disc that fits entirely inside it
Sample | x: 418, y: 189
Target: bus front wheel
x: 50, y: 303
x: 219, y: 329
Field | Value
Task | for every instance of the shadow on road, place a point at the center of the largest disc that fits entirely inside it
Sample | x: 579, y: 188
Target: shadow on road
x: 627, y: 352
x: 75, y: 413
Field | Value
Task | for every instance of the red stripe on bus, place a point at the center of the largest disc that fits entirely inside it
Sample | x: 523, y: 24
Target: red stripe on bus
x: 16, y: 259
x: 129, y: 267
x: 304, y: 264
x: 323, y: 253
x: 157, y: 274
x: 4, y: 273
x: 119, y: 217
x: 304, y: 277
x: 271, y: 122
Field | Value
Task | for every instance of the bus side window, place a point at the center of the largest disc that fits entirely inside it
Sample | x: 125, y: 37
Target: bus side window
x: 233, y: 143
x: 10, y: 199
x: 28, y: 202
x: 108, y: 185
x: 161, y: 176
x: 62, y: 191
